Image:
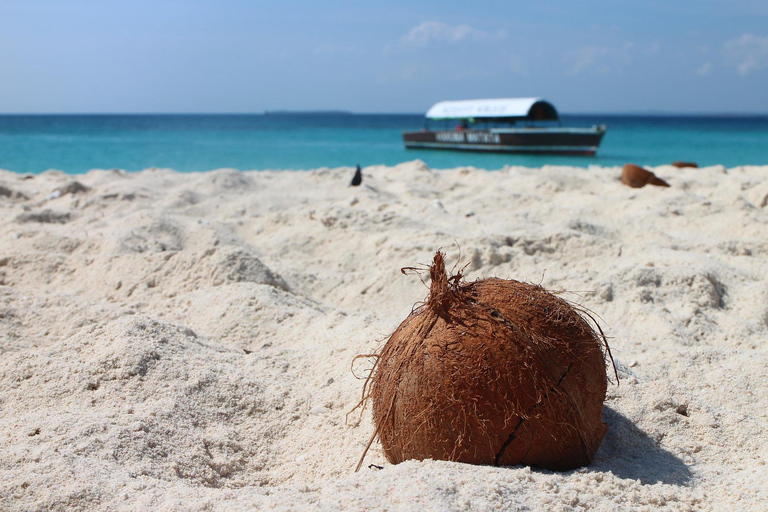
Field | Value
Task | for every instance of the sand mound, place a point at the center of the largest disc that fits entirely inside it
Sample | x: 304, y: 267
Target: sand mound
x: 176, y: 341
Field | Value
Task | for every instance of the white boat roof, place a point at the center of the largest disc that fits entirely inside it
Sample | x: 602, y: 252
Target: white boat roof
x: 528, y: 108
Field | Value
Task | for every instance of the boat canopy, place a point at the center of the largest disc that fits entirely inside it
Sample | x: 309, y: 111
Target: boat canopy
x: 535, y: 109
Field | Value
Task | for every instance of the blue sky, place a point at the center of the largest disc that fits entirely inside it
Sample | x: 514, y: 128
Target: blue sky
x: 83, y: 56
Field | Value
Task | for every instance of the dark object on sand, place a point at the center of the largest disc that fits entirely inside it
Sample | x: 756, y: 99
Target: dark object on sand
x: 357, y: 179
x: 490, y: 372
x: 680, y: 164
x: 506, y: 125
x: 637, y: 177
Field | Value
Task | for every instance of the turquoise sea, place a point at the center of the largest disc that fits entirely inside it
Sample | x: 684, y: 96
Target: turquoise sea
x: 78, y: 143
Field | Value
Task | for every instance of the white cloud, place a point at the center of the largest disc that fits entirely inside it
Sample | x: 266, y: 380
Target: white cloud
x: 747, y: 53
x: 586, y: 57
x: 439, y: 32
x: 704, y: 69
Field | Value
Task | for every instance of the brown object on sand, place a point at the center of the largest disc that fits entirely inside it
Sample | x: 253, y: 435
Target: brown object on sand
x: 490, y: 372
x: 637, y: 177
x: 680, y: 164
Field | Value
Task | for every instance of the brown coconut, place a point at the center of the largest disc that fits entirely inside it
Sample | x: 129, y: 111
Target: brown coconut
x: 681, y: 165
x: 490, y: 372
x: 638, y: 177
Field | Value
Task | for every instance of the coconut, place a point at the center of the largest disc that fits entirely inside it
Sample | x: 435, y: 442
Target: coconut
x: 637, y: 177
x: 494, y: 372
x: 680, y: 164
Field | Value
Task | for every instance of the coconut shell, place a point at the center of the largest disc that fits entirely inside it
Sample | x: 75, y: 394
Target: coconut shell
x: 638, y: 177
x: 491, y: 372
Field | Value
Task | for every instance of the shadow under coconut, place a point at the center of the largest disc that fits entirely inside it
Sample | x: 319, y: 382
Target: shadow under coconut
x: 628, y: 452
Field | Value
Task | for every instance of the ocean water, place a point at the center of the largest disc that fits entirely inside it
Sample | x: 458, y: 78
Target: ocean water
x: 78, y: 143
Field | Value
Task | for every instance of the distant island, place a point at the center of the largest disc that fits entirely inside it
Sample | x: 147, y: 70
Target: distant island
x: 306, y: 113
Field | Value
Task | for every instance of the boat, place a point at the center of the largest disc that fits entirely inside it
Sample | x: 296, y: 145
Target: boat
x: 507, y: 125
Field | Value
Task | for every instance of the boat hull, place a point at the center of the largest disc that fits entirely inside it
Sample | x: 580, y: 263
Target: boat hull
x: 564, y: 141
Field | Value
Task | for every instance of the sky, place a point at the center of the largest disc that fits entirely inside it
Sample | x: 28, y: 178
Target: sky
x: 239, y: 56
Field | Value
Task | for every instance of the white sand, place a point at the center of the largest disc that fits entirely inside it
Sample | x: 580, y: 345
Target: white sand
x: 180, y: 341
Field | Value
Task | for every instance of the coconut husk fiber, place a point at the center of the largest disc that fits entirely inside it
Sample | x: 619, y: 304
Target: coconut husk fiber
x: 490, y: 372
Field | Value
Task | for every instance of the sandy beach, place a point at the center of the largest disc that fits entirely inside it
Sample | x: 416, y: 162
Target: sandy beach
x: 185, y: 341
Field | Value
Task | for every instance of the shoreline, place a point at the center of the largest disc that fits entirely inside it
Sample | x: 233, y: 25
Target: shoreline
x: 184, y: 340
x: 668, y: 167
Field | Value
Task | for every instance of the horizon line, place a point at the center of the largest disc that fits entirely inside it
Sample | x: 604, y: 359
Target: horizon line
x: 279, y: 112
